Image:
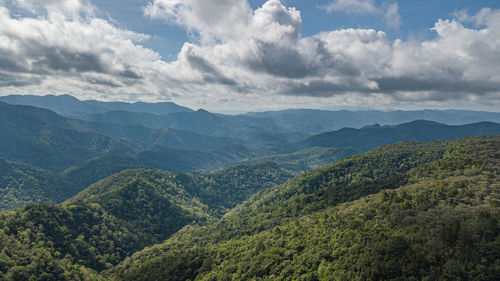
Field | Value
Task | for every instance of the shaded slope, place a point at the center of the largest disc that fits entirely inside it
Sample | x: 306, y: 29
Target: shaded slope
x: 21, y: 184
x: 28, y: 135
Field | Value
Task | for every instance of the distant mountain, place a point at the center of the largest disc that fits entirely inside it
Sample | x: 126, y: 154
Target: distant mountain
x: 261, y: 132
x: 370, y: 137
x: 69, y: 105
x: 29, y: 135
x: 167, y: 159
x: 320, y: 121
x: 269, y: 127
x: 42, y: 138
x: 159, y: 138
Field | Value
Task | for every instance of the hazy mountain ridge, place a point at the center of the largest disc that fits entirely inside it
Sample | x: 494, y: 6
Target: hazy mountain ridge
x: 304, y: 121
x: 69, y: 105
x: 370, y: 137
x: 321, y: 121
x: 84, y: 152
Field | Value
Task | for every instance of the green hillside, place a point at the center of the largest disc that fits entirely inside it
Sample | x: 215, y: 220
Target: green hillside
x: 117, y: 216
x: 21, y: 184
x: 309, y: 158
x: 434, y: 215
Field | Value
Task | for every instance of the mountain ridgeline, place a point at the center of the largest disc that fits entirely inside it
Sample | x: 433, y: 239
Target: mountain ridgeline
x: 405, y: 211
x: 65, y: 155
x: 94, y: 190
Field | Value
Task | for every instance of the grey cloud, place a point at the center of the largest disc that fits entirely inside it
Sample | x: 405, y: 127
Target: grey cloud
x: 8, y: 80
x: 57, y: 59
x: 102, y: 81
x: 280, y: 61
x: 405, y: 83
x: 209, y: 72
x: 129, y: 73
x: 322, y: 88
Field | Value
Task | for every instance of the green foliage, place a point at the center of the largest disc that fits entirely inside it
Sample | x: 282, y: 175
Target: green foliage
x: 309, y: 158
x: 434, y: 216
x: 21, y: 184
x: 118, y: 216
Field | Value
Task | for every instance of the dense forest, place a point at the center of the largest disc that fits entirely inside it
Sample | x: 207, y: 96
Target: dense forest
x: 405, y: 211
x: 118, y: 216
x: 437, y: 220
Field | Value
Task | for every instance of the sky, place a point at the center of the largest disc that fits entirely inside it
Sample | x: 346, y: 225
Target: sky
x: 239, y: 55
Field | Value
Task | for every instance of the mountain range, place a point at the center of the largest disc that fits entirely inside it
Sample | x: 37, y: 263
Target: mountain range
x: 64, y: 155
x: 95, y: 190
x: 408, y: 211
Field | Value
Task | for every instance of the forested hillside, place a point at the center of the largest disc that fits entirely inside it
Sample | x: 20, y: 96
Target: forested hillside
x: 20, y: 184
x: 118, y: 216
x: 434, y: 215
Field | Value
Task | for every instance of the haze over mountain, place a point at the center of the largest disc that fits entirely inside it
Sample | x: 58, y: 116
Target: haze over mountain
x: 63, y: 156
x: 218, y: 140
x: 69, y: 105
x: 287, y: 124
x: 319, y: 121
x: 370, y: 137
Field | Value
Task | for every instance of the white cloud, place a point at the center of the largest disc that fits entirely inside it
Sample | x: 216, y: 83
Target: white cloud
x: 257, y: 59
x: 392, y: 16
x: 211, y: 19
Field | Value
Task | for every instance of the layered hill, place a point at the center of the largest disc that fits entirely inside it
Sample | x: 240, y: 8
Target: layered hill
x: 118, y: 216
x: 44, y: 139
x: 321, y: 121
x: 401, y: 212
x: 69, y: 105
x: 373, y: 136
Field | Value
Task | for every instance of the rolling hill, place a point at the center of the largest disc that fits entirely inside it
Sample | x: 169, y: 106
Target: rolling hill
x: 118, y: 216
x: 429, y: 212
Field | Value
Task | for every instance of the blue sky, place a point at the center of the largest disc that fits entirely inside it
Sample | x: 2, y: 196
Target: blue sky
x: 240, y: 55
x: 417, y: 17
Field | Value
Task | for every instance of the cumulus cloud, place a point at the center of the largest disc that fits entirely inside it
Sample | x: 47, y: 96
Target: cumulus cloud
x: 246, y: 57
x: 211, y: 19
